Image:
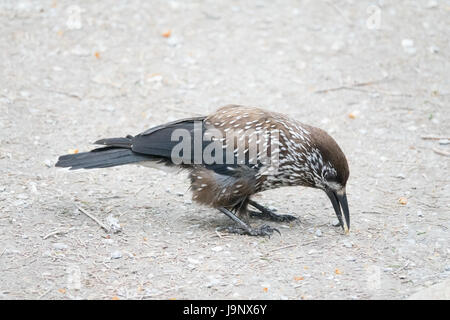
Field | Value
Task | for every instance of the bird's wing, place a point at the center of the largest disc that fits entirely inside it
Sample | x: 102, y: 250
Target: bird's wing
x: 161, y: 140
x: 173, y: 124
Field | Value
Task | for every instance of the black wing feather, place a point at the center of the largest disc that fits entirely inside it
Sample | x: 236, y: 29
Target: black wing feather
x: 157, y: 141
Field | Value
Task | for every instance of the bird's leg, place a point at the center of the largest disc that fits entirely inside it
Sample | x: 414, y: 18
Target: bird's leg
x: 269, y: 213
x: 244, y: 228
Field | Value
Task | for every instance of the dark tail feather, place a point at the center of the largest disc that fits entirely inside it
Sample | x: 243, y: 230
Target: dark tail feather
x: 154, y: 144
x: 117, y: 142
x: 100, y: 158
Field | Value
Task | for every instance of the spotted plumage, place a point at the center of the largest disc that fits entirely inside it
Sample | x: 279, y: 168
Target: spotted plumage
x: 243, y: 151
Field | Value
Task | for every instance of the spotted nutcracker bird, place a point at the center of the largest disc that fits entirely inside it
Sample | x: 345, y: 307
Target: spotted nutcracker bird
x: 231, y: 155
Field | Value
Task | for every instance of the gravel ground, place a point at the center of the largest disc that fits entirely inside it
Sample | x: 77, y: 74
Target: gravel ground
x: 375, y: 75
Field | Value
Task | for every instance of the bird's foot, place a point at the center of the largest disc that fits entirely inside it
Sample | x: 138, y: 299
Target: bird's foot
x: 263, y: 231
x: 270, y: 215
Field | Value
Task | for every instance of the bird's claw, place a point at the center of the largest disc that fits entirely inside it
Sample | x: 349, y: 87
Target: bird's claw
x: 272, y: 216
x: 283, y: 218
x: 264, y: 230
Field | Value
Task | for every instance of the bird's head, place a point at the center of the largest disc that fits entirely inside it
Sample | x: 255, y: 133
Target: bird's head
x: 331, y: 173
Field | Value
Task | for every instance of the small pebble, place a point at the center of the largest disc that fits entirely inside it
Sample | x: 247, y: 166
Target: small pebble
x: 173, y: 41
x: 431, y: 4
x: 108, y: 241
x: 18, y: 203
x: 48, y: 163
x: 337, y: 46
x: 194, y: 261
x: 347, y: 244
x: 408, y: 46
x: 32, y: 187
x: 336, y: 223
x: 60, y: 246
x: 318, y: 233
x: 113, y: 223
x: 434, y: 49
x: 213, y: 281
x: 79, y: 51
x: 116, y: 255
x: 407, y: 43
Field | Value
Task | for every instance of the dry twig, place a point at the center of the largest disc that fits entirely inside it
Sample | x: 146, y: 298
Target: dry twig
x: 441, y: 152
x: 101, y: 224
x: 434, y: 138
x: 285, y: 247
x: 55, y: 233
x: 353, y: 86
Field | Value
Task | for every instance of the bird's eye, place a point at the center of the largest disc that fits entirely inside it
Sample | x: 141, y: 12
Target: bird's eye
x: 330, y: 177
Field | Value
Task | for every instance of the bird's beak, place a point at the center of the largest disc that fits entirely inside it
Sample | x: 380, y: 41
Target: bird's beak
x: 339, y: 199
